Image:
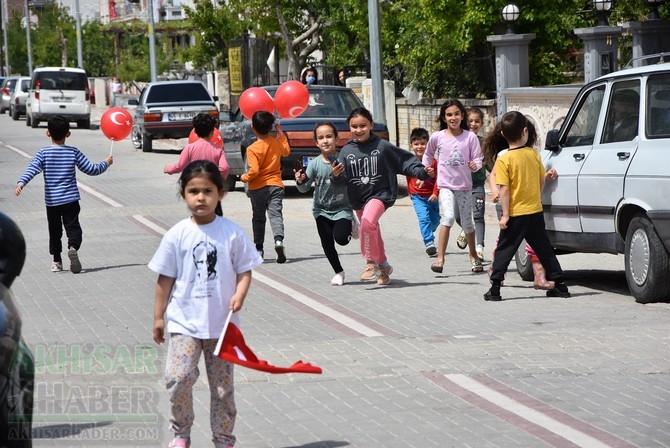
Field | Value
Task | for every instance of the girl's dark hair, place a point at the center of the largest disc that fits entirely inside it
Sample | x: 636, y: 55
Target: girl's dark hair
x: 476, y: 110
x: 447, y: 104
x: 512, y: 124
x: 360, y: 112
x: 201, y: 168
x: 325, y: 123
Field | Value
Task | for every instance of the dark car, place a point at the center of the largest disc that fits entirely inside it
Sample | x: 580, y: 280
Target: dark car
x: 166, y: 109
x: 326, y: 103
x: 17, y: 367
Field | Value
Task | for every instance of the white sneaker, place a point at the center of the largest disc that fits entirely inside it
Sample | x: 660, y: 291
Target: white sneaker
x: 355, y: 233
x: 480, y: 251
x: 56, y: 266
x: 338, y: 280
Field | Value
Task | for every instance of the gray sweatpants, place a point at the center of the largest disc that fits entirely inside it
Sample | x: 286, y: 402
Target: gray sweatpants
x: 268, y: 200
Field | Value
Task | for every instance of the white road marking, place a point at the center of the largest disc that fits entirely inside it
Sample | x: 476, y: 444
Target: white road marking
x: 575, y: 436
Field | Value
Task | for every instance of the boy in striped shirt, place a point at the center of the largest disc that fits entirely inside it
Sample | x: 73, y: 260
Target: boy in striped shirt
x: 57, y: 162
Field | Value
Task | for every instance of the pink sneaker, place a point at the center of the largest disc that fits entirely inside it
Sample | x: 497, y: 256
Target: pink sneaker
x: 178, y: 442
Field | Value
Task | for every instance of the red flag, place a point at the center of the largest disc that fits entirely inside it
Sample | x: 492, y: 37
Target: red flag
x: 235, y: 350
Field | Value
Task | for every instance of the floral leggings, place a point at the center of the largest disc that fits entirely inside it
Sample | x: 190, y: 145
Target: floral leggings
x: 181, y: 373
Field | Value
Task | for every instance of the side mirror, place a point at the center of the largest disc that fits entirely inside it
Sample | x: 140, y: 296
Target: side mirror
x: 552, y: 140
x: 133, y: 102
x: 215, y: 98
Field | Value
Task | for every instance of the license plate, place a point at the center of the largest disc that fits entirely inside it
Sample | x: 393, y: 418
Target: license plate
x: 61, y: 99
x: 305, y: 160
x: 181, y: 116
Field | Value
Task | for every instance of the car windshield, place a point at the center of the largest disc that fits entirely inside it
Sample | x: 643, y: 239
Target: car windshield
x: 328, y: 102
x: 178, y: 93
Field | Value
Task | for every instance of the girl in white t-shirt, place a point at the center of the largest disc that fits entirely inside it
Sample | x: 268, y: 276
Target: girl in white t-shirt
x: 204, y: 268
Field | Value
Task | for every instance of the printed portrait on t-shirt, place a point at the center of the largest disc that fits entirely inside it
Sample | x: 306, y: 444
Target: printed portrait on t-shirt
x: 205, y: 257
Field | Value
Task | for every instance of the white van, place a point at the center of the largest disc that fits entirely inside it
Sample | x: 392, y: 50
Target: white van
x: 59, y: 91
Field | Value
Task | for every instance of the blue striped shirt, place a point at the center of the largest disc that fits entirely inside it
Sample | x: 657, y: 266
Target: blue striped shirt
x: 58, y: 165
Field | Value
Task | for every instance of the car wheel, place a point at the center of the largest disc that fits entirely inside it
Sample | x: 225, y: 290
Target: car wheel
x: 2, y: 110
x: 136, y: 137
x: 231, y: 181
x: 646, y: 260
x: 84, y: 124
x: 28, y: 120
x: 146, y: 143
x: 15, y: 115
x: 523, y: 265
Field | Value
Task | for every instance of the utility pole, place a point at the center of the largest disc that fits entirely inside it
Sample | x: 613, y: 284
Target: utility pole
x: 26, y: 12
x: 77, y: 19
x: 5, y: 47
x: 152, y: 43
x: 376, y: 63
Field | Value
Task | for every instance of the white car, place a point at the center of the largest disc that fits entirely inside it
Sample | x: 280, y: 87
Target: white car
x: 59, y: 91
x: 17, y: 100
x: 613, y: 190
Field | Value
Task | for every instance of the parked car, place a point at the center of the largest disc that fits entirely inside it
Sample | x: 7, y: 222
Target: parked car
x: 6, y: 92
x: 326, y: 103
x: 59, y: 91
x: 165, y: 109
x: 611, y: 195
x: 17, y: 101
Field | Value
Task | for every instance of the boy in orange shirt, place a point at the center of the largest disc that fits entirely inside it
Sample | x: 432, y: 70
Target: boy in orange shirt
x: 266, y: 189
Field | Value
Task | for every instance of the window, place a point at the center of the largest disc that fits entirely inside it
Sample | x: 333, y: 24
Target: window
x: 658, y: 106
x: 623, y: 115
x: 582, y: 130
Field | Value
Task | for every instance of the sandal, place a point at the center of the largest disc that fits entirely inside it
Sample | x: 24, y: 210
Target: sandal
x: 477, y: 266
x: 438, y: 267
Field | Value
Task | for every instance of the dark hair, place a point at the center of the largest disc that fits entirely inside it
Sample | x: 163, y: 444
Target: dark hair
x: 200, y: 168
x: 58, y: 127
x: 360, y: 112
x: 303, y: 76
x: 337, y: 78
x: 447, y: 104
x: 419, y: 134
x: 475, y: 110
x: 325, y: 123
x: 262, y: 121
x: 203, y: 124
x: 494, y: 143
x: 512, y: 124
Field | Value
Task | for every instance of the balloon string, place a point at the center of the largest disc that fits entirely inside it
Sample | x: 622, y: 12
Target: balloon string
x: 111, y: 149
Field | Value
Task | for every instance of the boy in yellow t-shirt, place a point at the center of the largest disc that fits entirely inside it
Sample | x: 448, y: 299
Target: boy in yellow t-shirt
x: 520, y: 176
x: 266, y: 189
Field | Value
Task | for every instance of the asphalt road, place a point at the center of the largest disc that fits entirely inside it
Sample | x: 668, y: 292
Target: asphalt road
x: 423, y: 362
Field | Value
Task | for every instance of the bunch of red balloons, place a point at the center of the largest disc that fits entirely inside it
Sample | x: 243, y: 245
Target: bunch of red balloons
x: 291, y: 100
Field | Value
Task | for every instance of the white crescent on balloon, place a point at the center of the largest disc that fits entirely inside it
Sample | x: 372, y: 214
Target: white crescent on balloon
x: 295, y: 111
x: 113, y: 115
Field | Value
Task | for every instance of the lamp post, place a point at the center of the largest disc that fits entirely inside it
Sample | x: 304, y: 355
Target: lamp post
x: 602, y: 8
x: 654, y: 4
x: 510, y: 14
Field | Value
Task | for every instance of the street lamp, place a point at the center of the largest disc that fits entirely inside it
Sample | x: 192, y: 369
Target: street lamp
x: 510, y: 14
x: 603, y: 8
x: 654, y: 4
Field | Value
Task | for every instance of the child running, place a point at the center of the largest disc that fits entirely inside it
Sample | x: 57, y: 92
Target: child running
x: 331, y: 207
x: 203, y: 148
x: 520, y: 176
x: 458, y: 154
x: 424, y: 194
x: 204, y: 265
x: 57, y: 162
x: 266, y: 189
x: 369, y: 166
x: 475, y: 122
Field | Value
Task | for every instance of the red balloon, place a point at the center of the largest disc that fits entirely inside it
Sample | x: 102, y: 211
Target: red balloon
x: 291, y: 99
x: 254, y: 99
x: 217, y: 140
x: 116, y: 123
